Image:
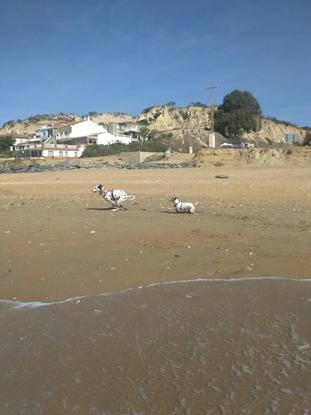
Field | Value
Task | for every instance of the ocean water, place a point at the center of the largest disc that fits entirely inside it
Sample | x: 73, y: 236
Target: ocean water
x: 192, y: 347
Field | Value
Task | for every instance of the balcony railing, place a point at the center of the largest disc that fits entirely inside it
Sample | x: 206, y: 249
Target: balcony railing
x: 48, y: 146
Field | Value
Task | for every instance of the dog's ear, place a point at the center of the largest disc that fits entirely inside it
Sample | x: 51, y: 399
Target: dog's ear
x: 100, y: 186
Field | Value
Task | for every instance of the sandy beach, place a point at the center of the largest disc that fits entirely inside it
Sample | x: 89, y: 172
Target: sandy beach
x: 58, y: 240
x: 190, y: 325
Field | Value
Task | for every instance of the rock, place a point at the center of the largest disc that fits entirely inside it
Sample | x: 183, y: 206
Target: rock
x: 82, y: 164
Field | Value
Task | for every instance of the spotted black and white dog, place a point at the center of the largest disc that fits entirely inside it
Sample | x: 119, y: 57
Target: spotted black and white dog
x: 183, y: 207
x: 116, y: 197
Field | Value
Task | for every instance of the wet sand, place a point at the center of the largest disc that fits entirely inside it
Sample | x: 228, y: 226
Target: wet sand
x: 217, y: 347
x: 236, y: 346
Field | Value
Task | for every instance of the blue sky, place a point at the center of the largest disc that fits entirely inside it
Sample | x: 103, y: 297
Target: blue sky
x: 126, y: 55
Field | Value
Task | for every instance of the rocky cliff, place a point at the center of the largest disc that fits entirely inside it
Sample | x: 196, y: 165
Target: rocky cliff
x: 273, y: 131
x: 191, y: 125
x: 31, y: 124
x: 184, y: 126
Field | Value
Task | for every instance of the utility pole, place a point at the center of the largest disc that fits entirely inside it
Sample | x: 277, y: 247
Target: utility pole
x: 211, y: 99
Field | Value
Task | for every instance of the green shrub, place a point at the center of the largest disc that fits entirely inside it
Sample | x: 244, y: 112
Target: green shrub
x: 197, y: 104
x: 5, y: 143
x: 12, y: 163
x: 307, y: 140
x: 143, y: 122
x: 95, y: 150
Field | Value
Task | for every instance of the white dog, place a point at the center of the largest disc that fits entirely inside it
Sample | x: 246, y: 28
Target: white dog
x: 116, y: 197
x: 183, y: 207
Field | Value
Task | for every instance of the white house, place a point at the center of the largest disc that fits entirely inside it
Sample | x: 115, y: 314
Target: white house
x: 44, y: 132
x: 89, y: 128
x: 66, y: 150
x: 67, y: 139
x: 129, y: 129
x: 44, y: 149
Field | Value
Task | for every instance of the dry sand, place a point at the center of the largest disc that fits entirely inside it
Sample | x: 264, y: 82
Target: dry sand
x: 59, y: 241
x: 199, y: 347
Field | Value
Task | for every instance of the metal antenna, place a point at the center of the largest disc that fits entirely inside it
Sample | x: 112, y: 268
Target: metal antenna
x: 211, y: 95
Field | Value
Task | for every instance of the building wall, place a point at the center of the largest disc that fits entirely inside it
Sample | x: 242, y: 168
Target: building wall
x: 107, y: 138
x: 59, y: 153
x: 85, y: 128
x: 89, y: 128
x: 63, y: 152
x: 135, y: 157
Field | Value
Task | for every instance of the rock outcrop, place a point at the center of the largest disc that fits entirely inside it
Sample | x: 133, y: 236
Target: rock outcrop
x: 28, y: 126
x: 272, y: 132
x: 184, y: 126
x: 191, y: 126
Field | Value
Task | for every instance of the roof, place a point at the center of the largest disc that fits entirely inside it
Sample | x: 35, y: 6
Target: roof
x: 63, y: 124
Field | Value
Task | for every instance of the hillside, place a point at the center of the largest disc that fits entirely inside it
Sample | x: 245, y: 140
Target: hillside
x: 182, y: 126
x: 272, y: 131
x: 190, y: 126
x: 31, y: 124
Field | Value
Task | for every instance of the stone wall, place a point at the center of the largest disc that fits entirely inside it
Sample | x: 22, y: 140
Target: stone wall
x: 135, y: 156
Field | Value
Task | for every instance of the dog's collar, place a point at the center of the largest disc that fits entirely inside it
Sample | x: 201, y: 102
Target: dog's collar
x: 176, y: 203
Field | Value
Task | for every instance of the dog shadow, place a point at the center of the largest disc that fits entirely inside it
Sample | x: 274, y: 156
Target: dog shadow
x: 105, y: 208
x: 173, y: 212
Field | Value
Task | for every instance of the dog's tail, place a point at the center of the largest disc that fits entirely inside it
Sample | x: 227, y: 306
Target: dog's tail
x: 131, y: 197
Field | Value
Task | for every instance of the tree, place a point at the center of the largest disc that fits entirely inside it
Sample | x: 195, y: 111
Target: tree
x: 198, y: 104
x: 234, y: 124
x: 170, y: 104
x: 241, y: 100
x: 239, y: 113
x: 144, y: 133
x: 5, y: 143
x: 143, y: 122
x: 307, y: 139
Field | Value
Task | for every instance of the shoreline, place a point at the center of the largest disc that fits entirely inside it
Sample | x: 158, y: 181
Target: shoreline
x: 20, y: 305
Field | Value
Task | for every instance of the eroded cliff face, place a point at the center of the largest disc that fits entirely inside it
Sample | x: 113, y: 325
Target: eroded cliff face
x: 191, y: 126
x: 165, y: 118
x: 185, y: 126
x: 30, y: 125
x: 106, y: 117
x: 272, y: 132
